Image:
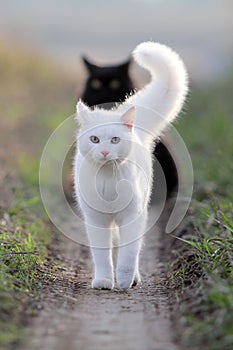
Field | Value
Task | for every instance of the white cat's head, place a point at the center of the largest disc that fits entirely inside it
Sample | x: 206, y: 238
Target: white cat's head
x: 105, y: 135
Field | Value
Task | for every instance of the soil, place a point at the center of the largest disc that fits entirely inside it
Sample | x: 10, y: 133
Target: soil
x: 73, y: 316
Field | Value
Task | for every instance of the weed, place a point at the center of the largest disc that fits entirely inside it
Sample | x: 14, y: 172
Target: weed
x: 23, y: 240
x: 207, y: 318
x: 205, y: 312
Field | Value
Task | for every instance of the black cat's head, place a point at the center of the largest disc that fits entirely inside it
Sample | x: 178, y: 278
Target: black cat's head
x: 106, y: 84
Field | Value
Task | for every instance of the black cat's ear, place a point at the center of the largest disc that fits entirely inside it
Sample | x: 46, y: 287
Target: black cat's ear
x: 89, y: 65
x: 125, y: 65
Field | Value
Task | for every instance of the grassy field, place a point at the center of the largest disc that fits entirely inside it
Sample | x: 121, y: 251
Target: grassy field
x: 204, y: 317
x: 33, y: 93
x: 35, y: 97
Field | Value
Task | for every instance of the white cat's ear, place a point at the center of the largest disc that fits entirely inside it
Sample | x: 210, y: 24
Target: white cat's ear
x: 81, y: 107
x: 128, y: 117
x: 82, y: 112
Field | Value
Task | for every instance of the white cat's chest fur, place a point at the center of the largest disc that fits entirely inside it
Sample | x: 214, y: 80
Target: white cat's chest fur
x: 111, y: 188
x: 107, y: 179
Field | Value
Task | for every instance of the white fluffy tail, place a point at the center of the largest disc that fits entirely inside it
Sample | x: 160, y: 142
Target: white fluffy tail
x: 166, y: 92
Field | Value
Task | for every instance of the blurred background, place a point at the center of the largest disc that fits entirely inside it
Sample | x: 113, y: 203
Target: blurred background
x: 200, y: 30
x: 42, y: 75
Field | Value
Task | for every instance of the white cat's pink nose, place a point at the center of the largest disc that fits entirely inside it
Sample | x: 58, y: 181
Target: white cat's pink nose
x: 105, y: 153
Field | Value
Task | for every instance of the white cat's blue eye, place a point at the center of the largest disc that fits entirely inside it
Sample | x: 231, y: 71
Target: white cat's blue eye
x: 94, y: 139
x: 115, y: 139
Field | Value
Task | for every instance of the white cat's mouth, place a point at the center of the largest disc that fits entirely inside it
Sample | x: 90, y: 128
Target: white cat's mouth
x: 107, y: 159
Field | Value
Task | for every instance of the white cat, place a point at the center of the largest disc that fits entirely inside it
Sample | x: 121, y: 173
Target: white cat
x: 113, y: 164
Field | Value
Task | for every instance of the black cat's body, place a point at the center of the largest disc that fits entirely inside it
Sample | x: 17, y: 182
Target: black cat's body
x: 108, y: 85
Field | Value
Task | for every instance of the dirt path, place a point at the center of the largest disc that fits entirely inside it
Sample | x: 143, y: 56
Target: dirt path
x: 74, y: 316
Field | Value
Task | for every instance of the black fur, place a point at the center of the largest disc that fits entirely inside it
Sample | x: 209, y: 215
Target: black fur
x: 106, y: 84
x: 111, y: 84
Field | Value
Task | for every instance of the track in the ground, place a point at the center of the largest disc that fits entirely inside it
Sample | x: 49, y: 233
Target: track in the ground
x: 78, y: 317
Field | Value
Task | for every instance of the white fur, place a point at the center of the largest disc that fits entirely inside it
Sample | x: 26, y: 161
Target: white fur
x: 114, y: 190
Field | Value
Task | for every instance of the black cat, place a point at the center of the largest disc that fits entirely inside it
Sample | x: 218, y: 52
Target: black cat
x: 107, y: 84
x: 111, y: 84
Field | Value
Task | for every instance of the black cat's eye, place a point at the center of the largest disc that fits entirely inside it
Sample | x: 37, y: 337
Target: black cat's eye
x: 114, y: 84
x: 94, y: 139
x: 115, y: 140
x: 96, y: 84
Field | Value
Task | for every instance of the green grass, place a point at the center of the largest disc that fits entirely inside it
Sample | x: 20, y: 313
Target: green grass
x: 204, y: 317
x: 23, y: 240
x: 34, y: 96
x: 24, y: 237
x: 207, y: 318
x: 207, y: 130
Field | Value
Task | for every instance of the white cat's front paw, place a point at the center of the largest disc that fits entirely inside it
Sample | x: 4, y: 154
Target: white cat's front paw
x: 102, y: 283
x: 124, y: 280
x: 124, y: 284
